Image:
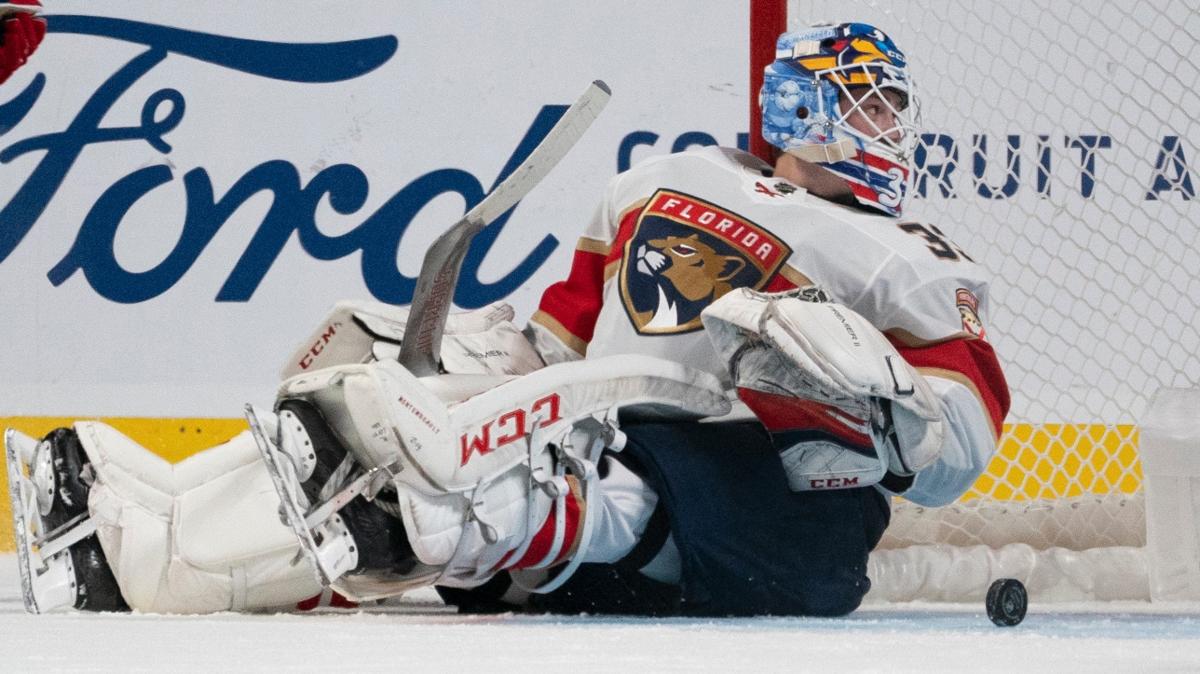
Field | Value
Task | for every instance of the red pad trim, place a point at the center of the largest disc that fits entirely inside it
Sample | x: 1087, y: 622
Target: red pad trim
x: 328, y: 598
x: 785, y: 413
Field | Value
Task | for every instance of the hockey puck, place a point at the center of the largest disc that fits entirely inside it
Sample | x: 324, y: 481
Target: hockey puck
x: 1006, y: 602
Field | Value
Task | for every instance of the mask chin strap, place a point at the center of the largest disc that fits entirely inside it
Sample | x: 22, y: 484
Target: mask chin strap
x: 826, y: 154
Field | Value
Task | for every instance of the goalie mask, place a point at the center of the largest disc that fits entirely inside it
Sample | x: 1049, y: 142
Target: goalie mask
x: 816, y: 68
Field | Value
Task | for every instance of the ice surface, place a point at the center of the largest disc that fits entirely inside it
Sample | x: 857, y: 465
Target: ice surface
x: 419, y: 635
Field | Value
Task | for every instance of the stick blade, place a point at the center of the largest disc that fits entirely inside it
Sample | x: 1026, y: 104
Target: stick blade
x: 420, y: 351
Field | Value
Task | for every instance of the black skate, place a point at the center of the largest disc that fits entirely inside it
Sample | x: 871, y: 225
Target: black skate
x: 61, y: 562
x: 321, y: 490
x: 379, y: 537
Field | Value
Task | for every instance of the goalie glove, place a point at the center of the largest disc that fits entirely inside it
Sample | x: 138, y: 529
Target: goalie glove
x: 482, y: 341
x: 843, y: 405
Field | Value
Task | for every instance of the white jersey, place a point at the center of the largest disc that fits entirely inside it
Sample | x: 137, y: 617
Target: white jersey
x: 679, y: 231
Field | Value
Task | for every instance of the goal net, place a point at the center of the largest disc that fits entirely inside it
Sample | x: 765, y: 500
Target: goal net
x: 1057, y: 146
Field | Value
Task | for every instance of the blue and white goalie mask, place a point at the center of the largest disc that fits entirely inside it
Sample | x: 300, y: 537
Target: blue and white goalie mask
x: 840, y: 96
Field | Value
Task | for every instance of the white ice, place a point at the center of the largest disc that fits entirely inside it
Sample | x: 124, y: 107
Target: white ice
x: 420, y: 635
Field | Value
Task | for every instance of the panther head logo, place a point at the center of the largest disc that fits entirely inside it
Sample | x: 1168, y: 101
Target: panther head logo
x: 968, y: 309
x: 688, y: 274
x: 683, y: 253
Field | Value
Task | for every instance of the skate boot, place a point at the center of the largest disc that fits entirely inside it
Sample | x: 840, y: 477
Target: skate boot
x: 61, y: 562
x: 321, y: 487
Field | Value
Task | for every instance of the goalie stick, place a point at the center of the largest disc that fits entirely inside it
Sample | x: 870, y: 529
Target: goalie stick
x: 435, y: 286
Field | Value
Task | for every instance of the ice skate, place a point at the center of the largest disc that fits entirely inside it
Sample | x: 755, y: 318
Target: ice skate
x: 318, y: 483
x: 60, y: 559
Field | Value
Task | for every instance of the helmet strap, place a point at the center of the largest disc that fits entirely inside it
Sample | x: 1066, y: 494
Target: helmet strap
x: 826, y: 153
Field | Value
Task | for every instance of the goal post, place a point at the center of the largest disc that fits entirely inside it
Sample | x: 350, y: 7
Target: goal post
x: 768, y: 18
x: 1058, y: 144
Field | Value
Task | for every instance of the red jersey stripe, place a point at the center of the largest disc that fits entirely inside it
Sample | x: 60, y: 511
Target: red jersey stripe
x: 575, y: 303
x: 778, y: 284
x: 971, y: 362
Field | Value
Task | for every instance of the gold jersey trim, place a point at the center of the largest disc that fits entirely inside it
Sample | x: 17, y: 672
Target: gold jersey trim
x: 795, y: 276
x: 965, y: 381
x: 590, y: 245
x: 909, y: 339
x: 560, y: 331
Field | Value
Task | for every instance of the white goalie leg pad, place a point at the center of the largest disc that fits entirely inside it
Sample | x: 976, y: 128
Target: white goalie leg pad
x: 385, y: 414
x: 834, y: 357
x: 199, y: 536
x: 569, y: 515
x: 480, y: 479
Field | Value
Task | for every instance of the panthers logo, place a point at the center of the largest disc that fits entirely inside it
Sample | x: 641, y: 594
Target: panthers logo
x: 968, y: 309
x: 690, y: 275
x: 684, y: 254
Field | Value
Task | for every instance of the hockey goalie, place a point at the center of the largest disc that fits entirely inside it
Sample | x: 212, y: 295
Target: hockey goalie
x: 707, y: 417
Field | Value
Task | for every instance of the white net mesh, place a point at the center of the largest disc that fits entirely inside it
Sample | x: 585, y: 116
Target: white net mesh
x: 1058, y: 150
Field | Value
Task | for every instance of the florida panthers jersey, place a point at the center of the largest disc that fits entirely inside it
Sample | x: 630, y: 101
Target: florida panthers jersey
x: 679, y: 231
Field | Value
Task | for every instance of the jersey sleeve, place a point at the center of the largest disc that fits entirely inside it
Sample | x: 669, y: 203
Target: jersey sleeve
x: 973, y: 393
x: 940, y: 331
x: 565, y: 320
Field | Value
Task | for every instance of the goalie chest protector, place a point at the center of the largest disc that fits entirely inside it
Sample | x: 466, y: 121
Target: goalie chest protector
x: 678, y: 231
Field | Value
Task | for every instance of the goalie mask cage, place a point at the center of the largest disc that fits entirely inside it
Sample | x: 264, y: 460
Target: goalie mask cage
x: 1057, y: 140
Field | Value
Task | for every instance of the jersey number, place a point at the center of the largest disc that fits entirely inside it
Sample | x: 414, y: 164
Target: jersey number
x: 939, y: 244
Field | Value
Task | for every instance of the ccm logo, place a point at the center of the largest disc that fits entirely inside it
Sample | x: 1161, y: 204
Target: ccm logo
x: 510, y: 427
x: 834, y: 483
x: 316, y: 349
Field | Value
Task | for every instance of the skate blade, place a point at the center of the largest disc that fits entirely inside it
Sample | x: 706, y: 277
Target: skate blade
x: 20, y: 491
x: 286, y: 486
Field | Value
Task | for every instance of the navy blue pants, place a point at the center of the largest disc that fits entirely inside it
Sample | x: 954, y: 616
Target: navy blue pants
x: 749, y: 544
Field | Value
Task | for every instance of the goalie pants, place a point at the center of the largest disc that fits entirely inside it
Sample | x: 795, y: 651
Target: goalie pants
x: 748, y: 544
